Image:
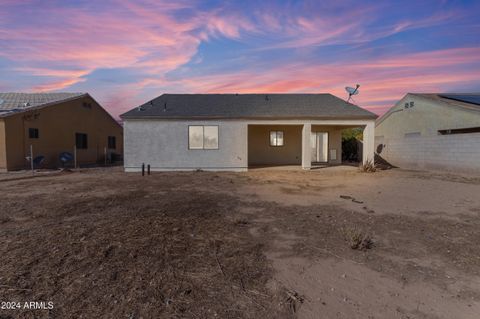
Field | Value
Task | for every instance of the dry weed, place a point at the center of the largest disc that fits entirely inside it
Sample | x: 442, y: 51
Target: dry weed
x: 368, y: 167
x: 357, y: 238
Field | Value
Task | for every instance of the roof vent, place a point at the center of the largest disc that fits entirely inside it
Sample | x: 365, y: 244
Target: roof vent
x: 140, y: 108
x: 26, y: 104
x: 267, y: 98
x: 165, y: 107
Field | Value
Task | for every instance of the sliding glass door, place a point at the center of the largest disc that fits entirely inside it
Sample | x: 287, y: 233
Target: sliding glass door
x: 319, y: 144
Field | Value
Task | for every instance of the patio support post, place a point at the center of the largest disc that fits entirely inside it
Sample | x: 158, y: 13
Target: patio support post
x: 369, y: 142
x: 306, y: 148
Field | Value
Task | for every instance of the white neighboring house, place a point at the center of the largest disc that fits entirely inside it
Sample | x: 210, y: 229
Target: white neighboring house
x: 233, y: 132
x: 431, y: 131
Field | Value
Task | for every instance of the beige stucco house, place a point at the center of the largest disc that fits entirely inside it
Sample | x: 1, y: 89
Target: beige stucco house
x: 431, y: 131
x: 237, y: 131
x: 52, y: 123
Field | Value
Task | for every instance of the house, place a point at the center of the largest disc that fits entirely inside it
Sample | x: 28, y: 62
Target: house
x: 236, y: 131
x: 51, y: 123
x: 431, y: 131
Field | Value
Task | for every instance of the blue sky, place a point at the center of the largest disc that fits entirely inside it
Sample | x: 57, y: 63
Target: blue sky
x: 125, y: 52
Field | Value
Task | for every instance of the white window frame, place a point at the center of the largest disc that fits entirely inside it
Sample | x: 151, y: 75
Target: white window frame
x: 203, y: 138
x: 276, y: 144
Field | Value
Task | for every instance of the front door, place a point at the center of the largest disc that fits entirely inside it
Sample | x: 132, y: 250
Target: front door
x: 319, y: 144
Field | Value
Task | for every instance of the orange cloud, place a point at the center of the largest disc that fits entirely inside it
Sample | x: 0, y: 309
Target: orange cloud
x: 146, y: 36
x: 62, y: 45
x: 382, y: 82
x: 57, y: 85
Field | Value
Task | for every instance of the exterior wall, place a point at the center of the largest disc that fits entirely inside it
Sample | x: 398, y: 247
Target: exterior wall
x: 164, y: 146
x: 57, y: 125
x: 409, y: 138
x: 426, y: 117
x: 261, y: 153
x: 3, y: 152
x: 459, y: 152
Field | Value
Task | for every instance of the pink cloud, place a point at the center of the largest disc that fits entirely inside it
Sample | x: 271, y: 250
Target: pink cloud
x: 382, y: 83
x: 56, y: 85
x: 146, y: 37
x: 151, y: 39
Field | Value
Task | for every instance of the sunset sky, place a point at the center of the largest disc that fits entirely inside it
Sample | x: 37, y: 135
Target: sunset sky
x: 125, y: 52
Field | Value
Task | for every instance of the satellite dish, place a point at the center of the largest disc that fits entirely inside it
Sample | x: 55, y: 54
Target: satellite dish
x: 352, y: 91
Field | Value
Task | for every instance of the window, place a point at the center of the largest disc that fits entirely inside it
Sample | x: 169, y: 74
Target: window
x: 33, y: 133
x: 112, y: 142
x: 202, y: 137
x: 466, y: 130
x: 276, y: 138
x: 81, y: 141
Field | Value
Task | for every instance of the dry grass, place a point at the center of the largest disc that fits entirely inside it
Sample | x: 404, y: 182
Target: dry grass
x: 368, y: 167
x: 357, y: 238
x: 135, y: 255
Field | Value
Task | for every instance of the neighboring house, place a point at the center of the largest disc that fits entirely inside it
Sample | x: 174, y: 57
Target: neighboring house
x: 431, y: 131
x: 52, y: 123
x: 237, y: 131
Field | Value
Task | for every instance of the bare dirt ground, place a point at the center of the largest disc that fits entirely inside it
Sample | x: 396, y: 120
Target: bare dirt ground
x: 262, y: 244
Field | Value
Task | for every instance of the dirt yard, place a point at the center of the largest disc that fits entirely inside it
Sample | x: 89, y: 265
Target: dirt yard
x: 263, y: 244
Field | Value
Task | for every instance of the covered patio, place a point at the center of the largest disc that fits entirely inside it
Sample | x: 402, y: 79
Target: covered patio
x: 306, y: 144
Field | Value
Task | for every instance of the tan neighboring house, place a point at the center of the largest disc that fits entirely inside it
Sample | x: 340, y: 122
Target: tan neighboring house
x: 235, y: 132
x: 431, y: 131
x: 52, y: 123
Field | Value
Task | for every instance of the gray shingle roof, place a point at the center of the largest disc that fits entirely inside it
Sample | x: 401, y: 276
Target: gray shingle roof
x: 260, y: 106
x: 18, y: 102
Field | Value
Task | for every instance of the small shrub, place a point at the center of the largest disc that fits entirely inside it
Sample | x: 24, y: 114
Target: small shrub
x: 357, y: 238
x: 368, y: 167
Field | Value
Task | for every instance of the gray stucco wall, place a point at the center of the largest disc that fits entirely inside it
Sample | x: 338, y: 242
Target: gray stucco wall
x: 425, y: 117
x: 164, y: 145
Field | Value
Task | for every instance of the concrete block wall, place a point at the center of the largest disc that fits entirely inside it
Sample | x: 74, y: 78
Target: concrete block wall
x: 459, y: 152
